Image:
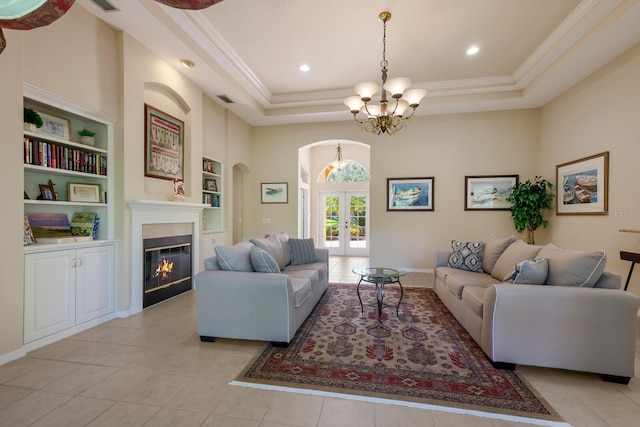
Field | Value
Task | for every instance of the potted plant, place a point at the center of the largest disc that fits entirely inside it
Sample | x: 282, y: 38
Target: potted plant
x: 528, y: 201
x: 86, y: 136
x: 32, y: 119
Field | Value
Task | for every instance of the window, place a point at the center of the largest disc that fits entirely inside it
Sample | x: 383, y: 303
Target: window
x: 351, y: 172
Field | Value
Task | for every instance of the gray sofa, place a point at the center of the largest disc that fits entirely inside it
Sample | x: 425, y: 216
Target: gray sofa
x: 540, y: 306
x: 262, y: 289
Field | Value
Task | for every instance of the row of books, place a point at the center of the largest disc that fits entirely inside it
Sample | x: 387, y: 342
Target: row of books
x: 57, y: 156
x: 56, y: 228
x: 211, y: 200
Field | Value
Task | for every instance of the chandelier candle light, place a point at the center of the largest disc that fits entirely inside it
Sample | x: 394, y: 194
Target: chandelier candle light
x: 384, y: 117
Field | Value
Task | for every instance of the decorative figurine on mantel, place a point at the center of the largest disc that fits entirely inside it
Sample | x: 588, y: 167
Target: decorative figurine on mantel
x: 178, y: 189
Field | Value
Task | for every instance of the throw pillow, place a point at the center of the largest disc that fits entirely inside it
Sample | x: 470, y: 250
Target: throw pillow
x: 493, y: 248
x: 272, y: 245
x: 235, y: 258
x: 516, y: 252
x: 262, y: 262
x: 573, y: 268
x: 466, y: 255
x: 529, y: 272
x: 303, y: 251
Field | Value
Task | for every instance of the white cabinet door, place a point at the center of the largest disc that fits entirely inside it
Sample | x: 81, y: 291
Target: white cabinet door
x: 95, y: 282
x: 50, y: 294
x: 208, y: 242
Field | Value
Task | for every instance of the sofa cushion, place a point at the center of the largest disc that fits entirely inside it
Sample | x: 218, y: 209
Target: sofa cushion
x: 529, y: 272
x: 473, y: 297
x: 466, y: 255
x: 236, y: 257
x: 312, y: 275
x: 303, y: 251
x: 573, y: 268
x: 273, y: 245
x: 516, y: 252
x: 493, y: 248
x: 320, y: 267
x: 301, y: 290
x: 456, y: 280
x: 262, y: 262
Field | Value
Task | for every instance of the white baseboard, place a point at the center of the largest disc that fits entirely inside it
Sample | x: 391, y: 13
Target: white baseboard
x: 10, y: 357
x: 418, y: 270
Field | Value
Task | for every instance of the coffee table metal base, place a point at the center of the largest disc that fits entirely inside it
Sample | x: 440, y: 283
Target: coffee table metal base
x: 380, y: 277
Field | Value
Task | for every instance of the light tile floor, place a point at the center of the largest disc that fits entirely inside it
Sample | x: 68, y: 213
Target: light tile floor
x: 151, y: 369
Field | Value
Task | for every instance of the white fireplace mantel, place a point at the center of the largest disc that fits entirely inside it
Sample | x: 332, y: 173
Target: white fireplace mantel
x: 158, y: 212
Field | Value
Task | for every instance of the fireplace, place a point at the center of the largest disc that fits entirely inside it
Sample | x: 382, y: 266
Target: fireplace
x: 167, y: 268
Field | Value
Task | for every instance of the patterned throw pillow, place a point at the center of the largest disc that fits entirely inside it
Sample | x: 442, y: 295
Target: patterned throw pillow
x: 303, y: 251
x: 466, y: 255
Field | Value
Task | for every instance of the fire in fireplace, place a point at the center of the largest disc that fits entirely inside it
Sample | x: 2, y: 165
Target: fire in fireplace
x: 167, y: 268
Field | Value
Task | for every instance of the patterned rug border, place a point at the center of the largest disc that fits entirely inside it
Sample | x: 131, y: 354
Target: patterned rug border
x: 553, y: 419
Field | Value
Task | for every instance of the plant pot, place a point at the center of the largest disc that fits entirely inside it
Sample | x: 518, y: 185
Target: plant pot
x: 87, y: 140
x: 30, y: 127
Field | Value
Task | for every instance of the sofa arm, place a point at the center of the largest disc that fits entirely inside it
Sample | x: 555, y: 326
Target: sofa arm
x: 232, y: 304
x: 584, y: 329
x: 441, y: 259
x: 322, y: 255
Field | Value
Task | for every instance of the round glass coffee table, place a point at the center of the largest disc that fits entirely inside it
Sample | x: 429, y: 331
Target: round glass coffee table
x: 379, y: 276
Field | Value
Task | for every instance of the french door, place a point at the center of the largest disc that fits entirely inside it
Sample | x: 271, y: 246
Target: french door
x: 343, y: 225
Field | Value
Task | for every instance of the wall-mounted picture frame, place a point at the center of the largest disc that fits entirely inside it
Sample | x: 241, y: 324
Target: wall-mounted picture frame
x: 55, y: 126
x: 274, y: 192
x: 47, y: 192
x: 163, y: 145
x: 83, y: 193
x: 488, y: 192
x: 582, y: 186
x: 410, y: 194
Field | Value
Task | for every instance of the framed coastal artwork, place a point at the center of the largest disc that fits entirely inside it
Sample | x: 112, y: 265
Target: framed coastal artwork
x: 274, y: 192
x: 582, y: 186
x: 488, y: 192
x: 55, y: 126
x: 410, y: 194
x: 163, y: 145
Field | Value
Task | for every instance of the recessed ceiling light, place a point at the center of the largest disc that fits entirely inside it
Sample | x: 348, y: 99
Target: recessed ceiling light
x: 187, y: 63
x: 473, y: 50
x: 304, y: 68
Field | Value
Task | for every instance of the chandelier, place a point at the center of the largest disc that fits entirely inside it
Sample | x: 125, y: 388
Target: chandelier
x: 339, y: 163
x: 388, y: 115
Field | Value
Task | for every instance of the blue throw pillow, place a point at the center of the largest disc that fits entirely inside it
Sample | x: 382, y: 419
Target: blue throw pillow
x: 303, y: 251
x: 262, y: 261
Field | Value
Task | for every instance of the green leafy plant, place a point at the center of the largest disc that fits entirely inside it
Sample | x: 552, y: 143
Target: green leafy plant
x: 86, y: 132
x: 528, y: 201
x: 32, y: 116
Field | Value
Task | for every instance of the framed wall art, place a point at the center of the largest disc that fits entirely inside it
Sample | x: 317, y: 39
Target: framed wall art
x: 274, y: 192
x: 410, y: 194
x: 582, y: 186
x: 163, y: 145
x: 488, y: 192
x: 55, y: 126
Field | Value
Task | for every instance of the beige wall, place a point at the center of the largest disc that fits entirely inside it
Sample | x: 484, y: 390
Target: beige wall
x: 602, y: 113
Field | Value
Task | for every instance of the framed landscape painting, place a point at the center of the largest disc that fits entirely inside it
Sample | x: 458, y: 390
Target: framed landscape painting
x: 582, y: 186
x: 274, y: 192
x: 410, y: 194
x: 488, y: 192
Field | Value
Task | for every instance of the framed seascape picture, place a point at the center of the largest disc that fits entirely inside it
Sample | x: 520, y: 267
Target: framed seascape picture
x: 582, y: 186
x: 410, y: 194
x: 55, y: 126
x: 163, y: 145
x: 274, y: 192
x: 488, y: 192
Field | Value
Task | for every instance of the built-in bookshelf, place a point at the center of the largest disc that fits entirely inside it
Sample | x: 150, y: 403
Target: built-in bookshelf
x: 212, y: 194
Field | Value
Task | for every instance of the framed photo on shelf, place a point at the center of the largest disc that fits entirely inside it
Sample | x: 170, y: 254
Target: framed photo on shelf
x: 211, y: 185
x: 410, y: 194
x: 207, y: 166
x: 582, y: 186
x: 163, y: 145
x: 84, y: 193
x: 274, y: 192
x: 55, y: 126
x: 488, y: 192
x: 47, y: 192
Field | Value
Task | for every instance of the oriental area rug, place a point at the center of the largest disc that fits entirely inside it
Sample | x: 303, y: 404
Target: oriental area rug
x: 422, y: 358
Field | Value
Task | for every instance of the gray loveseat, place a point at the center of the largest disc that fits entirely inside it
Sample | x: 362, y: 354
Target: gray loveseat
x: 262, y: 289
x: 540, y: 306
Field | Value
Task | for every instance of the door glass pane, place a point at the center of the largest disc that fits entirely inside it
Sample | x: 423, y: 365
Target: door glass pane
x: 332, y: 221
x: 358, y: 221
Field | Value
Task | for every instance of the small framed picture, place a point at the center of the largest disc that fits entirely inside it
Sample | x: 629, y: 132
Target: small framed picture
x: 55, y: 126
x: 84, y: 193
x: 488, y: 192
x: 47, y: 192
x: 410, y: 194
x: 211, y: 185
x: 274, y: 192
x: 582, y: 186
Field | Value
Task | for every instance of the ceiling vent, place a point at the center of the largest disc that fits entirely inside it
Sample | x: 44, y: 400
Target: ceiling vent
x: 106, y: 5
x: 225, y: 99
